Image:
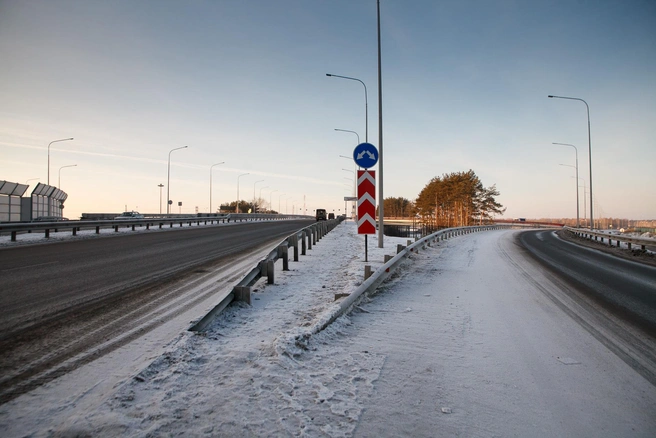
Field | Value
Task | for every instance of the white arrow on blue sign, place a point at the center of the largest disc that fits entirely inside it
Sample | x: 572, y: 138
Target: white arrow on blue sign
x: 365, y: 155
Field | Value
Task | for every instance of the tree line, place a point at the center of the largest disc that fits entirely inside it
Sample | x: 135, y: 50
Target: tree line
x: 451, y: 200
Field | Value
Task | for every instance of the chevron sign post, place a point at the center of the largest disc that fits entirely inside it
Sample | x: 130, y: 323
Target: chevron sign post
x: 366, y: 202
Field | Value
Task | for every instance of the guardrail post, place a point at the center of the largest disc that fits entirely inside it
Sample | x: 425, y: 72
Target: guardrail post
x: 310, y: 233
x: 97, y: 229
x: 367, y: 271
x: 75, y: 231
x: 399, y: 248
x: 13, y: 236
x: 270, y: 267
x: 295, y: 245
x: 263, y: 268
x: 303, y: 245
x: 283, y: 253
x: 242, y: 293
x: 386, y: 259
x: 116, y: 228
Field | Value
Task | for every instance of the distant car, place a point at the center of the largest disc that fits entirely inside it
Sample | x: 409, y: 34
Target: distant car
x: 331, y: 215
x: 321, y: 214
x: 130, y: 215
x: 49, y: 219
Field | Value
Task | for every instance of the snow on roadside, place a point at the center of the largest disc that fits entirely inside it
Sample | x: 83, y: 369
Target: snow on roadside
x: 248, y: 374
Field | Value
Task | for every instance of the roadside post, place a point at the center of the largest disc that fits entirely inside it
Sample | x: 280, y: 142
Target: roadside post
x: 366, y: 155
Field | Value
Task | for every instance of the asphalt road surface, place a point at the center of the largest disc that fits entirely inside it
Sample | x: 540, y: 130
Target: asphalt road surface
x: 613, y: 298
x: 65, y: 304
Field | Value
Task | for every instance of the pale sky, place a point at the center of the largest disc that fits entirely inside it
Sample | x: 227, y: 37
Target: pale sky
x: 465, y: 86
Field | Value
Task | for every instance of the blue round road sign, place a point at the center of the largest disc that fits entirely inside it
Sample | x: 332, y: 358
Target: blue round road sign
x: 365, y: 155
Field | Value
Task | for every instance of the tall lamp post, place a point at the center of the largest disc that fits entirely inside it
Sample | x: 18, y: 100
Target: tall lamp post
x: 282, y: 194
x: 59, y: 179
x: 355, y: 175
x: 254, y: 184
x: 354, y: 169
x: 577, y: 195
x: 346, y: 130
x: 262, y: 188
x: 366, y: 104
x: 237, y: 206
x: 584, y: 207
x: 577, y: 182
x: 381, y: 202
x: 589, y: 148
x: 168, y: 181
x: 270, y: 196
x: 160, y: 197
x: 211, y: 167
x: 54, y: 141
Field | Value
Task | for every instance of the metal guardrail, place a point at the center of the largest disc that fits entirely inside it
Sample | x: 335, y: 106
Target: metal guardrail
x: 599, y: 236
x: 391, y: 263
x: 307, y: 237
x: 16, y: 228
x: 241, y: 292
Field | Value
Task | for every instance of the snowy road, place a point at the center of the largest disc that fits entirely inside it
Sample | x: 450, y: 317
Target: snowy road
x: 464, y: 341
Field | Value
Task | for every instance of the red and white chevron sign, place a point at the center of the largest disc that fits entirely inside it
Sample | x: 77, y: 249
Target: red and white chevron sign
x: 366, y: 202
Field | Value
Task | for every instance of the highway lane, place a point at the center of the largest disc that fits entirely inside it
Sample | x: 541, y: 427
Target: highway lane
x: 612, y: 298
x: 624, y: 287
x: 60, y: 300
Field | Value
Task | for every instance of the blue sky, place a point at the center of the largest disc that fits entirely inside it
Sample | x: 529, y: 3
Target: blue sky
x: 465, y: 86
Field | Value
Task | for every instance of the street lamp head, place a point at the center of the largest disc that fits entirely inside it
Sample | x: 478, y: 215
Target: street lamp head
x: 328, y: 74
x: 550, y: 95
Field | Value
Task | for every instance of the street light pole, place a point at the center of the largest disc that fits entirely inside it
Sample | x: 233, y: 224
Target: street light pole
x: 584, y: 207
x: 354, y: 184
x: 160, y: 197
x: 261, y: 188
x: 577, y: 195
x: 589, y: 149
x: 577, y: 182
x: 237, y: 206
x: 346, y: 130
x: 63, y: 167
x: 254, y: 184
x: 270, y: 202
x: 282, y: 194
x: 168, y: 181
x: 366, y: 104
x: 211, y: 167
x: 54, y: 141
x: 381, y: 202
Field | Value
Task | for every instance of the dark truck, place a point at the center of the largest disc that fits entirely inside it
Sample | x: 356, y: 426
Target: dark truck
x: 321, y: 214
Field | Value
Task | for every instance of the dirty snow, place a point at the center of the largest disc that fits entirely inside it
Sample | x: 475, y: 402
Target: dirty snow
x: 460, y: 342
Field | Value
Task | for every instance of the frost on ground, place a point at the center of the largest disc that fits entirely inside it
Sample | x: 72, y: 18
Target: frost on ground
x: 258, y: 369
